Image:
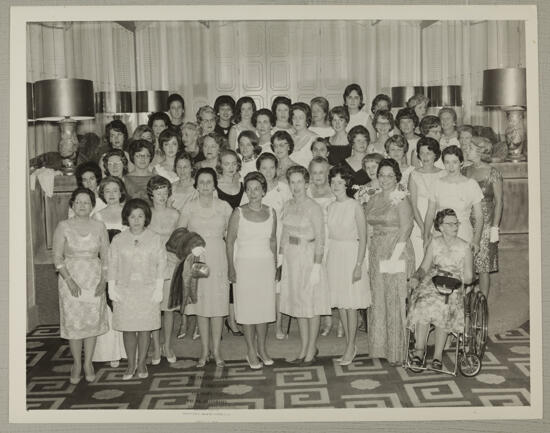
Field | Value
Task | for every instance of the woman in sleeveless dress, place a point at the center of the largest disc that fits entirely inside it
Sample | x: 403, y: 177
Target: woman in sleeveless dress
x: 300, y: 115
x: 80, y: 249
x: 251, y: 255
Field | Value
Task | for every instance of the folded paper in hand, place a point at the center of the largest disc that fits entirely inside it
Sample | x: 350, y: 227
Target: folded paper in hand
x: 392, y: 266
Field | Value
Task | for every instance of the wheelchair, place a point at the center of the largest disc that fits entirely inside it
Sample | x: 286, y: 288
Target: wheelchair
x: 469, y: 345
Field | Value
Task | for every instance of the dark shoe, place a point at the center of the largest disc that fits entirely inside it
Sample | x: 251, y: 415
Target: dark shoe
x: 297, y: 361
x: 236, y: 333
x: 436, y: 364
x: 417, y: 362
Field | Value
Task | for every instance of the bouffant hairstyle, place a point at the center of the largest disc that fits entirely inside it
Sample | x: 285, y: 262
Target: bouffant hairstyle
x: 137, y: 145
x: 397, y: 140
x: 121, y: 155
x: 133, y: 204
x: 254, y: 140
x: 376, y: 157
x: 341, y: 171
x: 206, y: 170
x: 282, y: 135
x: 118, y: 126
x: 203, y: 110
x: 166, y: 135
x: 159, y: 115
x: 263, y: 157
x: 417, y: 100
x: 484, y: 146
x: 224, y: 100
x: 263, y: 112
x: 440, y: 216
x: 358, y: 130
x: 184, y: 155
x: 350, y: 88
x: 389, y: 162
x: 140, y: 130
x: 377, y: 99
x: 406, y: 113
x: 88, y: 166
x: 383, y: 114
x: 448, y: 110
x: 225, y: 152
x: 112, y: 179
x: 321, y: 102
x: 431, y: 144
x: 280, y: 100
x: 319, y: 140
x: 82, y: 190
x: 238, y: 107
x: 452, y: 150
x: 257, y: 176
x: 318, y: 160
x: 429, y: 122
x: 158, y: 182
x: 466, y: 128
x: 304, y: 108
x: 219, y: 139
x: 175, y: 97
x: 297, y: 169
x: 340, y: 111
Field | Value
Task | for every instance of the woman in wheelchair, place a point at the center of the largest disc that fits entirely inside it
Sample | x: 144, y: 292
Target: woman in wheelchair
x: 438, y: 288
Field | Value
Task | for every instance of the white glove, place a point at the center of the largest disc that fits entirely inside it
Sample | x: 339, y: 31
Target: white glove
x: 315, y: 275
x: 397, y: 251
x: 493, y: 236
x: 157, y: 293
x: 198, y: 251
x: 113, y: 293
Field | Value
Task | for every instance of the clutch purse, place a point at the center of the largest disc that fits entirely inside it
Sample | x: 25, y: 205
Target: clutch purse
x: 199, y: 269
x: 446, y: 285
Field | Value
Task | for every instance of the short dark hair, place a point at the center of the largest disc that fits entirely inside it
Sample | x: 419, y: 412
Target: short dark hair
x: 350, y: 88
x: 121, y: 155
x: 340, y: 111
x: 257, y: 176
x: 175, y: 97
x: 263, y: 157
x: 158, y: 182
x: 452, y: 150
x: 406, y: 113
x: 206, y: 170
x: 224, y: 100
x: 263, y: 112
x: 283, y: 135
x: 88, y: 166
x: 166, y: 135
x: 225, y: 152
x: 390, y: 162
x: 251, y: 135
x: 304, y: 108
x: 280, y: 100
x: 137, y: 145
x: 121, y: 187
x: 358, y: 130
x: 428, y: 122
x: 431, y: 144
x: 297, y: 169
x: 119, y: 126
x: 133, y: 204
x: 376, y: 157
x: 159, y: 115
x: 184, y: 155
x: 377, y: 99
x: 240, y: 102
x: 341, y: 171
x: 397, y: 140
x: 440, y: 216
x: 384, y: 114
x: 82, y: 190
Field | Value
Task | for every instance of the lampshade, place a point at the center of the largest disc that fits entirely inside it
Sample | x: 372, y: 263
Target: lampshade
x: 114, y: 102
x: 445, y: 96
x: 401, y: 94
x: 504, y: 87
x: 149, y: 101
x: 64, y: 98
x: 30, y: 103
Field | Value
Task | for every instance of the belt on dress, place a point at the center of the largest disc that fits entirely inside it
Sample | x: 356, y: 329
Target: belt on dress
x: 295, y: 240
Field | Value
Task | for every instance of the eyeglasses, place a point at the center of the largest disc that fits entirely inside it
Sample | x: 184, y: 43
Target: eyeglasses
x: 141, y: 155
x: 453, y: 224
x: 114, y: 164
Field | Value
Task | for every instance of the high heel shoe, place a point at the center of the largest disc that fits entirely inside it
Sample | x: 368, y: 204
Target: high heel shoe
x: 219, y: 362
x: 74, y: 380
x: 324, y: 332
x: 340, y: 332
x: 236, y: 333
x: 128, y: 376
x: 266, y: 361
x: 196, y: 334
x: 348, y: 362
x: 89, y: 377
x: 143, y: 375
x: 202, y: 362
x: 312, y: 360
x: 170, y: 359
x: 253, y: 366
x: 280, y: 335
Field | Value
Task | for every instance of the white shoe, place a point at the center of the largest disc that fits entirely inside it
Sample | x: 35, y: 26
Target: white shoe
x: 115, y: 364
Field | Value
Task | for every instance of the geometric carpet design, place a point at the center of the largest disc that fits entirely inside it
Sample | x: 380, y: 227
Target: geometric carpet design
x: 367, y: 382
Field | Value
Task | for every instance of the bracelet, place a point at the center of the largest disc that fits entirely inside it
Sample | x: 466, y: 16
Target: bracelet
x: 61, y: 266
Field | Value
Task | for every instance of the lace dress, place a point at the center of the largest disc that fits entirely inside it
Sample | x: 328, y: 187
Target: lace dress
x: 427, y: 304
x: 386, y: 320
x: 303, y: 237
x: 85, y: 315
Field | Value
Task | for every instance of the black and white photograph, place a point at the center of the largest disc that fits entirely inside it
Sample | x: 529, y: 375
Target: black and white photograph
x: 329, y: 209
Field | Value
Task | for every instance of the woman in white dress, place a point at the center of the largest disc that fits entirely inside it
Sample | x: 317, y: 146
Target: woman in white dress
x: 252, y: 260
x: 463, y: 195
x: 346, y: 268
x: 420, y: 181
x: 319, y: 117
x: 449, y: 136
x: 300, y: 115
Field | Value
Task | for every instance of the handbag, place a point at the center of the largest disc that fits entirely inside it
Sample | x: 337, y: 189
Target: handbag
x: 199, y: 269
x: 446, y: 284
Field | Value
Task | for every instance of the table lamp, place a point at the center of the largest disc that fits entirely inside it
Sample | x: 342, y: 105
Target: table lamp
x: 401, y: 94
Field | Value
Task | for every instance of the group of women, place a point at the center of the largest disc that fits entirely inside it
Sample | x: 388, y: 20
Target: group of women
x: 303, y: 209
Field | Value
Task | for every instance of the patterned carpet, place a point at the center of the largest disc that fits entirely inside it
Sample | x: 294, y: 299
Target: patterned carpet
x: 503, y: 381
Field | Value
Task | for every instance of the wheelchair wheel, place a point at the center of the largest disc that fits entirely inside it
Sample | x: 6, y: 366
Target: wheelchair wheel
x: 480, y: 318
x: 469, y: 364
